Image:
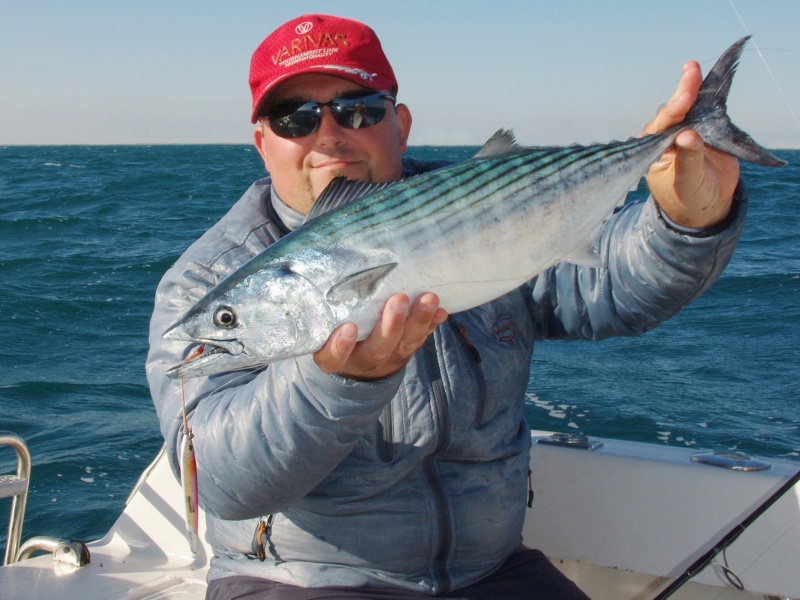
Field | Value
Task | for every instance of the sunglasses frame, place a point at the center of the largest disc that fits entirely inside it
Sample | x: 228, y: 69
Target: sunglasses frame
x: 304, y: 118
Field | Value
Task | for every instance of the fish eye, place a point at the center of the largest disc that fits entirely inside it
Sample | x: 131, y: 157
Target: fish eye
x: 224, y: 317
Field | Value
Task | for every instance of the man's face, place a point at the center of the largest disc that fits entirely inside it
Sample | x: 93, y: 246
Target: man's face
x: 302, y: 167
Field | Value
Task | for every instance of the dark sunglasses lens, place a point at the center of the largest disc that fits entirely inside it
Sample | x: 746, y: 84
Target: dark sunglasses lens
x: 359, y: 112
x: 299, y: 119
x: 294, y: 119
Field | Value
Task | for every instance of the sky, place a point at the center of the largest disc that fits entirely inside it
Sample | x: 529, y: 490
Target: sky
x: 556, y: 72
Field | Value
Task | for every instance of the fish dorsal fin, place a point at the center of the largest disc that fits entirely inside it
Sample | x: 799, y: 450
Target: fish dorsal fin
x: 360, y: 285
x: 340, y: 191
x: 502, y: 142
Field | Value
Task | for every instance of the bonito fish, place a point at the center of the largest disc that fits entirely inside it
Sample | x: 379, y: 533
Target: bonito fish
x: 469, y: 233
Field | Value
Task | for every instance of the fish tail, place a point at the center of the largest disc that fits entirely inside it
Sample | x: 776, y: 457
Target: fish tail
x: 709, y: 117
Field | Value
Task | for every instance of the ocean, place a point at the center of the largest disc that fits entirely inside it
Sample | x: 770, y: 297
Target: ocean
x: 88, y: 231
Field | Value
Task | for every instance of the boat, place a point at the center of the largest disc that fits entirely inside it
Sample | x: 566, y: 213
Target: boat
x: 622, y: 519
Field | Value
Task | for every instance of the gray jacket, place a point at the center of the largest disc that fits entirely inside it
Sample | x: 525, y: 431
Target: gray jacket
x: 419, y: 480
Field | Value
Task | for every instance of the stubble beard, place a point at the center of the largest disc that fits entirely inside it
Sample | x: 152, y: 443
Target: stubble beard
x: 313, y: 193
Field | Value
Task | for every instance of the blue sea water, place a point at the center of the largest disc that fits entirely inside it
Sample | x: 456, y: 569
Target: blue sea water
x: 86, y: 232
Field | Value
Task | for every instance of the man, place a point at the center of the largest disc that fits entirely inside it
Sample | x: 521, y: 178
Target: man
x: 397, y: 467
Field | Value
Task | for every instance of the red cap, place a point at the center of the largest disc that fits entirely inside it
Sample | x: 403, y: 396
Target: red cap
x: 319, y: 44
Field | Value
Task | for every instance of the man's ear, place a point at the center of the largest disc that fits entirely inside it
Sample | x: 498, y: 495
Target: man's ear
x: 258, y: 142
x: 403, y: 124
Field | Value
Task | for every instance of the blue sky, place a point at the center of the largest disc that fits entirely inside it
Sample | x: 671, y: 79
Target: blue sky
x: 151, y: 72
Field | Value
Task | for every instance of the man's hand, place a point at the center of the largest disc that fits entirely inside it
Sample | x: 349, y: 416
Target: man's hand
x: 693, y: 184
x: 401, y: 331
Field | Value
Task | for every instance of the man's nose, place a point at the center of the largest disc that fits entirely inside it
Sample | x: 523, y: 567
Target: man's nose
x: 329, y: 131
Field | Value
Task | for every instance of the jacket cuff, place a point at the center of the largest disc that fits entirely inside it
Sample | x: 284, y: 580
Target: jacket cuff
x: 378, y: 391
x: 728, y: 221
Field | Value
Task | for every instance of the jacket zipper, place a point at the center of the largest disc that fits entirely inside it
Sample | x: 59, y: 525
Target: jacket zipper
x: 439, y: 567
x: 476, y: 366
x: 385, y: 433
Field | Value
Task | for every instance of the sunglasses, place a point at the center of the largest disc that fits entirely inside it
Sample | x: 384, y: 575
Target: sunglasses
x: 352, y: 111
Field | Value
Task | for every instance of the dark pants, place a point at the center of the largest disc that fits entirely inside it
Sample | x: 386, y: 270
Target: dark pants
x: 527, y: 574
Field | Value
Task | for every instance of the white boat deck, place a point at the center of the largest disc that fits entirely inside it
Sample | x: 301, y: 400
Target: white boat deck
x: 616, y: 520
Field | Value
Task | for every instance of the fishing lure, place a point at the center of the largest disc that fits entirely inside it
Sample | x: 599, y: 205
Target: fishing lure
x: 189, y: 483
x: 189, y: 474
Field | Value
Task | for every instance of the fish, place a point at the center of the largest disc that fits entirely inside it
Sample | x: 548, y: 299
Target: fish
x: 470, y: 232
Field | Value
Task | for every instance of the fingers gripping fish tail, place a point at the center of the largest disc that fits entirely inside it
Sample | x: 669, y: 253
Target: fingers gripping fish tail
x: 709, y: 117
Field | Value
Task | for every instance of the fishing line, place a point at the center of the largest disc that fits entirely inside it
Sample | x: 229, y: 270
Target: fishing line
x: 729, y: 573
x: 188, y: 463
x: 764, y: 60
x: 743, y: 569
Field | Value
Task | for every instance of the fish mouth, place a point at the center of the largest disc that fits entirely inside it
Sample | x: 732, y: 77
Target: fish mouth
x: 211, y: 357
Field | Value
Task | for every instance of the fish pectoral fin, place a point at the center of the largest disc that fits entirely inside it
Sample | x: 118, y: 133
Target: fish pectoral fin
x: 360, y: 285
x: 584, y: 255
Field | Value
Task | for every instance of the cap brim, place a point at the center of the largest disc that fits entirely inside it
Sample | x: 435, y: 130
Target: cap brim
x: 374, y: 82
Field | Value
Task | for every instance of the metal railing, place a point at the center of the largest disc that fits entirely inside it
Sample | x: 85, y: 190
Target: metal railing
x: 16, y: 488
